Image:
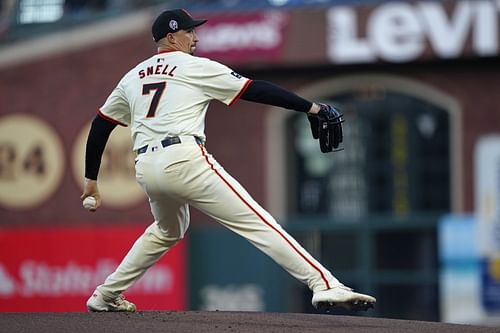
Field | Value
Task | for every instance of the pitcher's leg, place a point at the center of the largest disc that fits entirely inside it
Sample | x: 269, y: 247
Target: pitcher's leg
x: 229, y: 203
x: 171, y: 221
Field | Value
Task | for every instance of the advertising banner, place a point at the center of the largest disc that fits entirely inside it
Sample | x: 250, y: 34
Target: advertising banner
x: 57, y: 269
x: 487, y: 202
x: 244, y: 280
x: 244, y: 37
x: 404, y: 31
x: 460, y: 270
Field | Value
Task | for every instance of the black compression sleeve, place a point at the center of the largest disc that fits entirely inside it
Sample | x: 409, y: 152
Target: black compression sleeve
x: 267, y: 93
x: 96, y: 142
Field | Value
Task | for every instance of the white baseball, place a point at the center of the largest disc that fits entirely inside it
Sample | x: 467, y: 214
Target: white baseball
x: 89, y: 202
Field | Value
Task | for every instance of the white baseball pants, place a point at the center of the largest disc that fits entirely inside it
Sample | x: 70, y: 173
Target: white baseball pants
x: 185, y: 174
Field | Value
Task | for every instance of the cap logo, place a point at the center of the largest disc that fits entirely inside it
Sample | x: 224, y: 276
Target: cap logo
x: 173, y: 25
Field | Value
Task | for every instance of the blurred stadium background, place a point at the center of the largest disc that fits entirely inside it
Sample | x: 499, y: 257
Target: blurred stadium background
x: 408, y: 212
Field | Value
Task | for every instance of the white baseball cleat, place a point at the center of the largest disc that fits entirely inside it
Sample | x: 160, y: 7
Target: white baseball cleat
x: 99, y: 303
x: 342, y: 296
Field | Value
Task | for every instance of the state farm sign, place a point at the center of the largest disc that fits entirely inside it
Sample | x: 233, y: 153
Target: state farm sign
x: 402, y: 32
x: 35, y: 278
x: 56, y: 269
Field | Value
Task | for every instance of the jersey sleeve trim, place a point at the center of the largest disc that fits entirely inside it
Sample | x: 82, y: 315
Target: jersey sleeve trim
x: 111, y: 120
x: 237, y: 97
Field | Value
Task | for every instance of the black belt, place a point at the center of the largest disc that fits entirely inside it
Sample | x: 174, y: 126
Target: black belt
x: 167, y: 142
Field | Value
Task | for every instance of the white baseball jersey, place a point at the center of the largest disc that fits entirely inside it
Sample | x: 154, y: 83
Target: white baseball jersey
x: 168, y: 95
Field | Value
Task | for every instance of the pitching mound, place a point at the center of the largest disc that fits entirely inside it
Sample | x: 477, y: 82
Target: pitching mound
x: 241, y: 322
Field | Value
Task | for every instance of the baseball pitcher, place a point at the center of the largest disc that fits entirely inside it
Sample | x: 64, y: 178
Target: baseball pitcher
x: 164, y: 100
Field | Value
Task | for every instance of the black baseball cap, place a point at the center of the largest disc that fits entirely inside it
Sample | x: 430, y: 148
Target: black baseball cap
x: 172, y: 21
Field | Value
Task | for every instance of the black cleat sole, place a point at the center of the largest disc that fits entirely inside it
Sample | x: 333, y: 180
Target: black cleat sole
x: 328, y: 307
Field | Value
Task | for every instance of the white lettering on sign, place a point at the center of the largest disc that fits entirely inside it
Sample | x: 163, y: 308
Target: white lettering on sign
x: 42, y: 279
x: 401, y: 32
x: 245, y: 297
x: 7, y: 283
x: 260, y: 33
x: 396, y: 33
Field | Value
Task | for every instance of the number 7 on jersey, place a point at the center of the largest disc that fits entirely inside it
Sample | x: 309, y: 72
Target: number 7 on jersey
x: 158, y: 87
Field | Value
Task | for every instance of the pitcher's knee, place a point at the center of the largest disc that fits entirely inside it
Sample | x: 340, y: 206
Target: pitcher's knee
x: 170, y: 235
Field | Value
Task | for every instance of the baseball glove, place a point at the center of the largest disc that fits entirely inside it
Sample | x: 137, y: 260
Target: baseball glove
x: 326, y: 126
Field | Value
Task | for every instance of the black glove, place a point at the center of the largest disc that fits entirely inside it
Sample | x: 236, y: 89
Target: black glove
x: 326, y: 126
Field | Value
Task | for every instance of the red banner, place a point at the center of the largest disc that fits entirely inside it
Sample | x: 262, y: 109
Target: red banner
x: 56, y: 269
x: 244, y: 37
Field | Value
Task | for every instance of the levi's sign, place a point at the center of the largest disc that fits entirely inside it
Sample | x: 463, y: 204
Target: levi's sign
x: 402, y: 32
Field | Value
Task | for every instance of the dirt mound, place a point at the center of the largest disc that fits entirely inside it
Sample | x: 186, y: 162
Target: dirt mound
x: 217, y: 321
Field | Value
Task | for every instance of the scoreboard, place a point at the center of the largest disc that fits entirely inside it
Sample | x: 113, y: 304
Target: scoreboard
x: 396, y: 159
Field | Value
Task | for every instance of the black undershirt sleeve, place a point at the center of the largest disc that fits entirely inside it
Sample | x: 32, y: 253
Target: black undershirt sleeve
x: 267, y: 93
x: 96, y: 142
